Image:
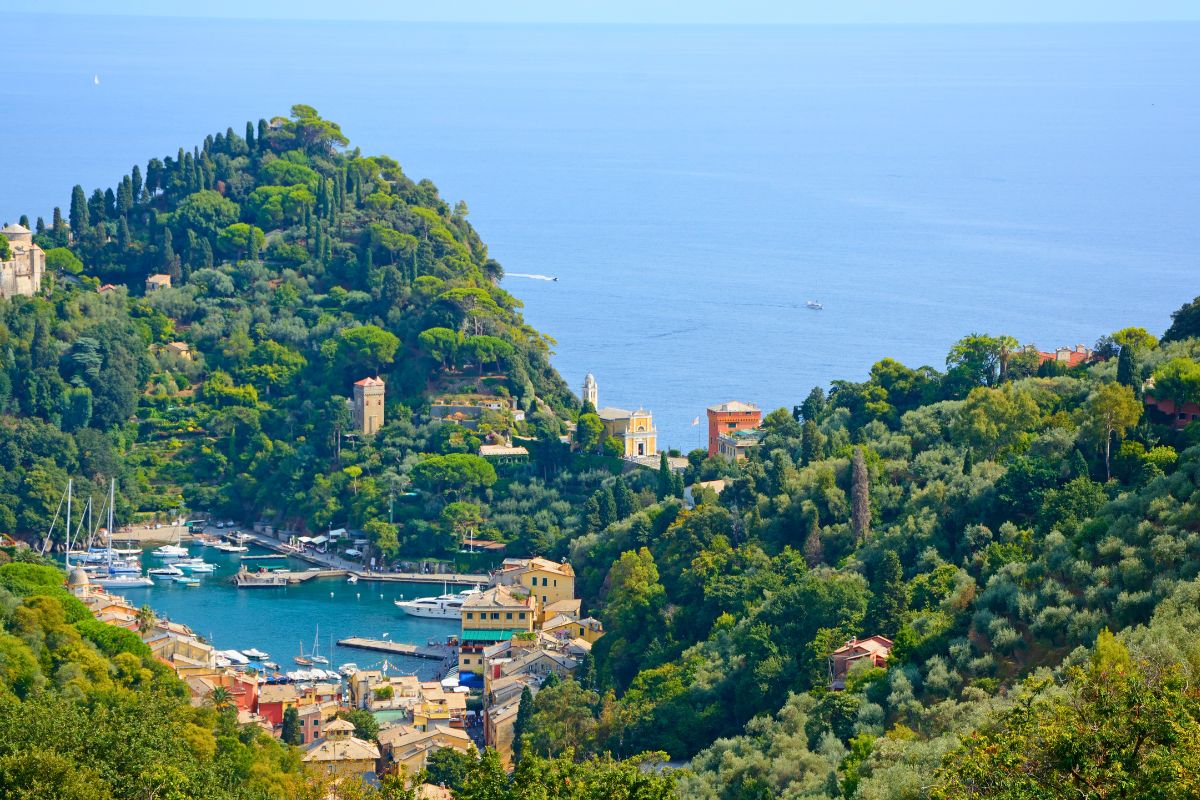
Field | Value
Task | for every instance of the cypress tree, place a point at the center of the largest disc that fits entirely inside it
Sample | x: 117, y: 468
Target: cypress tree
x: 291, y: 726
x: 968, y: 461
x: 96, y: 209
x: 666, y: 486
x: 250, y: 136
x: 608, y: 506
x: 80, y: 217
x: 135, y: 181
x: 206, y: 253
x: 124, y: 196
x: 860, y: 496
x: 24, y: 220
x: 1127, y: 368
x: 58, y: 228
x: 890, y: 600
x: 814, y: 551
x: 521, y: 724
x: 624, y: 498
x: 811, y: 444
x: 168, y: 252
x: 677, y: 486
x: 262, y: 133
x: 123, y: 234
x: 110, y: 204
x: 40, y: 228
x: 1079, y: 466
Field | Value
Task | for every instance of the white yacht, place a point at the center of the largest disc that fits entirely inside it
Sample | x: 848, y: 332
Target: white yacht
x: 169, y: 551
x: 195, y: 565
x: 119, y: 581
x: 165, y: 573
x: 255, y: 654
x: 814, y: 305
x: 444, y: 606
x: 226, y: 547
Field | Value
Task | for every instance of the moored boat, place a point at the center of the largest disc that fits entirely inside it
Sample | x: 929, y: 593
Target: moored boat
x: 445, y: 606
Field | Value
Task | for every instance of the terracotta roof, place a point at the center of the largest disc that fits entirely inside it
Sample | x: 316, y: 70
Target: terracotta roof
x: 341, y: 749
x: 497, y: 597
x: 369, y: 382
x: 734, y: 406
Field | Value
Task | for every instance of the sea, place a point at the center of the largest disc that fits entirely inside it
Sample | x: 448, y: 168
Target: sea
x: 692, y: 187
x: 298, y: 619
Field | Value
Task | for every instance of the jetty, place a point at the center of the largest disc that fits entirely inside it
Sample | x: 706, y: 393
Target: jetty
x: 246, y: 579
x: 435, y: 652
x: 268, y: 557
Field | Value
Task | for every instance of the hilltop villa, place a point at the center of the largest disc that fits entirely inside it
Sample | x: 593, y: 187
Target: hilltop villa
x: 21, y: 274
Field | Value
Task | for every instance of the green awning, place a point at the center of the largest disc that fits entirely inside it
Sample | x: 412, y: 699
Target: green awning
x: 494, y: 635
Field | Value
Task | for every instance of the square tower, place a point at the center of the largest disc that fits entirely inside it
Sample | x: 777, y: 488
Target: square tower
x: 368, y: 405
x: 728, y: 418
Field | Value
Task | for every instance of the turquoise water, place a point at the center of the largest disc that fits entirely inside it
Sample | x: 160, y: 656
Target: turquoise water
x: 691, y: 187
x: 281, y: 621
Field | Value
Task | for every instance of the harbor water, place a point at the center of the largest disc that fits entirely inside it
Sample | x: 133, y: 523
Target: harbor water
x: 282, y: 621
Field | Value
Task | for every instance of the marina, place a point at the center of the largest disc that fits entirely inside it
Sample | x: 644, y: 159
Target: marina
x: 430, y: 651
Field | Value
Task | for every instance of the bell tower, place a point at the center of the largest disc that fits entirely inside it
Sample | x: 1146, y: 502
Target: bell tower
x: 591, y: 392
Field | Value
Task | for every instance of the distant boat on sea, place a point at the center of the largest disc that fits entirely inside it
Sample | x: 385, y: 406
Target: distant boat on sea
x: 95, y: 80
x: 814, y: 305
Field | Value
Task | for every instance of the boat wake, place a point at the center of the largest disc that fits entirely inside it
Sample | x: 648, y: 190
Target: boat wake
x: 528, y: 275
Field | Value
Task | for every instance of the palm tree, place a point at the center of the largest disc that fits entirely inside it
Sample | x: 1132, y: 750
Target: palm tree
x: 220, y: 698
x: 145, y: 619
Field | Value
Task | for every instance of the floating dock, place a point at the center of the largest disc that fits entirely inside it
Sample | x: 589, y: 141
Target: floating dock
x: 264, y: 558
x: 436, y: 652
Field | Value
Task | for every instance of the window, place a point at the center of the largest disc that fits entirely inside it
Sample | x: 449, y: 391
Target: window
x: 470, y: 615
x: 556, y: 581
x: 508, y: 615
x: 543, y: 581
x: 543, y: 599
x: 495, y: 615
x: 522, y: 615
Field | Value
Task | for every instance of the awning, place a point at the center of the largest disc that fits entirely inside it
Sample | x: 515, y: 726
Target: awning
x: 320, y: 539
x: 496, y: 635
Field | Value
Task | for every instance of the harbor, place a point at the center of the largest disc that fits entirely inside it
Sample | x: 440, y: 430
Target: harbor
x: 437, y: 652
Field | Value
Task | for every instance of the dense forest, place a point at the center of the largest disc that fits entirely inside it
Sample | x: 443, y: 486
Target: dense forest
x: 1026, y: 534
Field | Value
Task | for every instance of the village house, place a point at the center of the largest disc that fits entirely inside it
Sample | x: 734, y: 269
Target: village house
x: 180, y: 349
x: 339, y: 753
x: 22, y: 273
x: 504, y: 453
x: 498, y: 723
x: 873, y: 651
x: 407, y: 748
x: 1065, y: 356
x: 156, y: 282
x: 550, y: 581
x: 437, y: 706
x: 374, y: 691
x: 728, y: 418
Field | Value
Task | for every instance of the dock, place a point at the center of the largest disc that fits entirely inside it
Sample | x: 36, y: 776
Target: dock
x: 267, y: 557
x: 435, y: 652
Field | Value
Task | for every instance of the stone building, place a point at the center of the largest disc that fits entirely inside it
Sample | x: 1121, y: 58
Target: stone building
x: 22, y: 274
x: 158, y: 281
x: 367, y: 405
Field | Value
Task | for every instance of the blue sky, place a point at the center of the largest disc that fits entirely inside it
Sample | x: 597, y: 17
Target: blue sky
x: 645, y: 11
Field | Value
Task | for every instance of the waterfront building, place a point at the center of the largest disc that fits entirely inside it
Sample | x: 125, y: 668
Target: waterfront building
x: 367, y: 405
x: 591, y: 391
x: 22, y: 273
x: 158, y: 281
x: 736, y: 446
x: 341, y: 754
x: 495, y: 615
x: 633, y: 429
x: 549, y: 581
x: 728, y: 418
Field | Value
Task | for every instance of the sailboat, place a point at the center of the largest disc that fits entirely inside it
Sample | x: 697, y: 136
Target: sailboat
x: 314, y: 655
x: 95, y: 80
x: 115, y: 579
x: 301, y: 659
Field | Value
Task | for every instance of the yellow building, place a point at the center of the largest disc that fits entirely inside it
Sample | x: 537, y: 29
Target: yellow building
x: 493, y: 616
x: 633, y: 429
x: 407, y: 748
x: 549, y: 581
x: 22, y: 273
x: 340, y: 753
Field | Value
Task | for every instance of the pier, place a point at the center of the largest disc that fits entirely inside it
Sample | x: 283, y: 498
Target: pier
x: 435, y: 652
x: 267, y: 557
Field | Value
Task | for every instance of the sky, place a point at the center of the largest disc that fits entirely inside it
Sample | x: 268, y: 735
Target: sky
x: 645, y: 11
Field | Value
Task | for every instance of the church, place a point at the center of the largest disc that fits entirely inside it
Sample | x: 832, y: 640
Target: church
x: 633, y: 429
x: 22, y: 273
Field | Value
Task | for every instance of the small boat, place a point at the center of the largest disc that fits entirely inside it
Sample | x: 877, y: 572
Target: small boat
x: 234, y: 657
x: 168, y: 572
x: 245, y: 579
x: 226, y: 547
x: 271, y: 665
x: 302, y: 661
x: 123, y: 581
x: 187, y: 580
x: 255, y: 654
x: 348, y: 669
x: 814, y: 305
x: 194, y: 565
x: 352, y: 579
x: 169, y: 551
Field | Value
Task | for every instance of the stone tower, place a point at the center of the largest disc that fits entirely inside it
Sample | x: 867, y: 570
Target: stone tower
x: 22, y: 274
x: 368, y: 405
x: 591, y: 392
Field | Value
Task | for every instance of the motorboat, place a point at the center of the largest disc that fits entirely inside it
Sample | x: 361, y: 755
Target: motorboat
x: 271, y: 665
x: 187, y: 580
x: 352, y: 579
x: 169, y: 551
x: 445, y: 606
x: 814, y: 305
x: 234, y: 657
x: 112, y: 581
x: 348, y: 669
x: 255, y: 654
x: 168, y: 572
x: 228, y: 547
x: 195, y: 565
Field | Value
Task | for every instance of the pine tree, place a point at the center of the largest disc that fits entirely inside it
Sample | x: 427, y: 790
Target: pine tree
x: 1127, y: 368
x: 814, y: 552
x: 860, y: 496
x: 80, y: 217
x: 1079, y: 466
x: 521, y: 724
x: 890, y: 600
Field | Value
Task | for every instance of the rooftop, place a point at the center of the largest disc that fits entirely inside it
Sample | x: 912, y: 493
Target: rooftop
x: 734, y: 406
x: 498, y: 597
x: 369, y: 382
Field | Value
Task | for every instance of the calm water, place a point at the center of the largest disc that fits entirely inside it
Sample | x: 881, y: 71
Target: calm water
x: 280, y: 621
x: 692, y: 187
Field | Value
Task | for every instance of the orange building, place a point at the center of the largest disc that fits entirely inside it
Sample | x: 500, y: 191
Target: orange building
x: 729, y: 418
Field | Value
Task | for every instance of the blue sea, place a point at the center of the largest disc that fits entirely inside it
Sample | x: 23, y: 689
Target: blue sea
x: 692, y: 187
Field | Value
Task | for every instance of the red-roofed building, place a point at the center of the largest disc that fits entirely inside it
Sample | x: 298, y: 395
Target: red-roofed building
x: 367, y: 405
x: 1067, y: 356
x: 1181, y: 414
x: 874, y: 650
